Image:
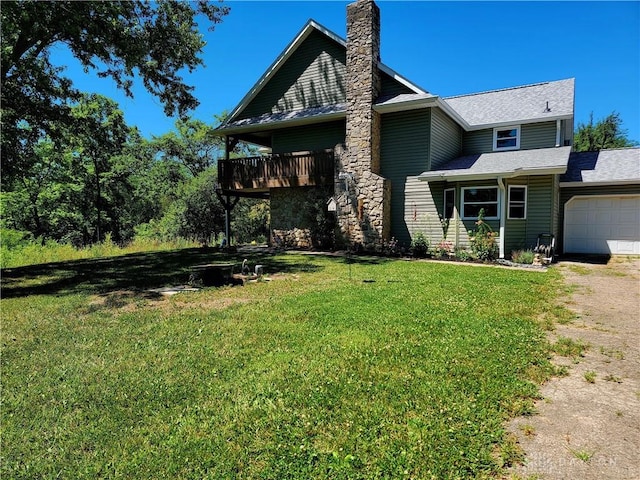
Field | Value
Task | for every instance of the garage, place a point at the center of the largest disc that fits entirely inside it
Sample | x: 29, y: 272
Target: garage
x: 602, y: 224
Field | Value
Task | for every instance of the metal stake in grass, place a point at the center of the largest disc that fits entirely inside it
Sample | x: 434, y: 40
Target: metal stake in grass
x: 348, y: 179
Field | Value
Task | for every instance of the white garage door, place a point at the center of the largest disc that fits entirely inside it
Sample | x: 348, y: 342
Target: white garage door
x: 602, y: 224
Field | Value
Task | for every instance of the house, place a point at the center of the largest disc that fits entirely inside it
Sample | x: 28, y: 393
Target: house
x: 336, y: 126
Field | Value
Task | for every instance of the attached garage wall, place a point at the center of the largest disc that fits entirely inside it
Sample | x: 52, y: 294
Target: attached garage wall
x: 601, y: 220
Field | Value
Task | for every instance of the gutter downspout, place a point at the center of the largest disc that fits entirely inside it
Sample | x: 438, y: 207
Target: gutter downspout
x: 503, y: 215
x: 558, y: 131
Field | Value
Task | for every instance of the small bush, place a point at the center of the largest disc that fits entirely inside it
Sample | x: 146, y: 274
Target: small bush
x: 523, y: 256
x: 11, y: 239
x: 443, y: 249
x: 463, y: 254
x: 419, y: 245
x: 483, y: 240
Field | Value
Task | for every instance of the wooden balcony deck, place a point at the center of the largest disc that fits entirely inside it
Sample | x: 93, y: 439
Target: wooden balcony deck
x: 259, y: 174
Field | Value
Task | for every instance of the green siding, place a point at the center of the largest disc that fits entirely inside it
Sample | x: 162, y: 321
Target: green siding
x: 390, y: 86
x: 422, y: 211
x: 446, y: 139
x: 519, y: 234
x: 313, y: 76
x: 404, y: 156
x: 541, y: 210
x: 477, y: 141
x: 537, y: 135
x: 308, y: 137
x: 566, y: 193
x: 534, y: 135
x: 516, y: 229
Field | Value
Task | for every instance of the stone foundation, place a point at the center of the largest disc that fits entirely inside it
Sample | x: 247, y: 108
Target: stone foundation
x: 294, y: 218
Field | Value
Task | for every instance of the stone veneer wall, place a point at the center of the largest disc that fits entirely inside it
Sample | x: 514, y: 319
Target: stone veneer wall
x: 295, y: 221
x: 289, y: 225
x: 364, y: 205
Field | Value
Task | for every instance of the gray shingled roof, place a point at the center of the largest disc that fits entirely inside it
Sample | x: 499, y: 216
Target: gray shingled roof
x: 516, y: 105
x: 298, y: 116
x: 503, y: 164
x: 403, y: 98
x: 606, y: 166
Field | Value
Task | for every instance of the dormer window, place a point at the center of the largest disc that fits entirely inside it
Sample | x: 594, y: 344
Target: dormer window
x: 506, y: 138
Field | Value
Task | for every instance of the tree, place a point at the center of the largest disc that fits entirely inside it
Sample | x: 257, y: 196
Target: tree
x: 98, y: 139
x: 606, y: 133
x: 201, y: 215
x: 154, y: 40
x: 194, y: 144
x: 81, y: 192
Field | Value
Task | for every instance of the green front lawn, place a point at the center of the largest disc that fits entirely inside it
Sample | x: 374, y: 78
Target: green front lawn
x: 397, y: 369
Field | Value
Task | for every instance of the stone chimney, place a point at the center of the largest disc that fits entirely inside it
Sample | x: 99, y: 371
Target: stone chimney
x: 364, y: 196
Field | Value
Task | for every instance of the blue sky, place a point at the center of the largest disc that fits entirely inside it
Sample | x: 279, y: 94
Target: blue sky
x: 447, y: 48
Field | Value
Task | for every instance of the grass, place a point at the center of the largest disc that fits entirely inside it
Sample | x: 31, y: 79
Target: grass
x: 580, y: 269
x: 568, y: 347
x: 33, y: 253
x: 613, y: 378
x: 582, y: 454
x: 411, y: 374
x: 590, y: 376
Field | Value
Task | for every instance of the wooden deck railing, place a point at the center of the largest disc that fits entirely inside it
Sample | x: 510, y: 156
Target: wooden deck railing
x: 277, y: 170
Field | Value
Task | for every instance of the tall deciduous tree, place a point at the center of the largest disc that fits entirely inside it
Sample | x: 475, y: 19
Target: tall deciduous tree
x: 606, y: 133
x: 154, y: 40
x: 87, y: 189
x: 98, y: 139
x: 194, y: 144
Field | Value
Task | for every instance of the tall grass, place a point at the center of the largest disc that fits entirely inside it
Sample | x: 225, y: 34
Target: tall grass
x: 32, y: 252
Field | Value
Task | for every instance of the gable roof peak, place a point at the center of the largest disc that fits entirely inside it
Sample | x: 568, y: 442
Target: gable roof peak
x: 310, y: 26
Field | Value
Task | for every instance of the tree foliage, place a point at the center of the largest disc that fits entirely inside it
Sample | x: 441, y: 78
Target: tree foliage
x: 83, y: 189
x: 606, y: 133
x: 153, y: 40
x: 193, y: 143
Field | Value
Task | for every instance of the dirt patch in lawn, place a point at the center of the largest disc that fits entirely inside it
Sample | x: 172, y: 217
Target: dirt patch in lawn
x: 587, y: 424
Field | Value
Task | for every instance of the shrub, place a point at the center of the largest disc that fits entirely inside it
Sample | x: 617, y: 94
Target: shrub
x: 483, y: 240
x: 523, y: 256
x: 10, y: 238
x: 463, y: 254
x: 443, y: 249
x: 419, y: 245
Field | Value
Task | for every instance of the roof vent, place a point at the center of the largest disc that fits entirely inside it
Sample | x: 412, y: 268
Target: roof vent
x: 547, y: 109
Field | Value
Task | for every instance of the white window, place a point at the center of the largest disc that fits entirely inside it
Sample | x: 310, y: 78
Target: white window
x: 517, y: 202
x: 449, y: 203
x: 506, y: 138
x: 476, y: 198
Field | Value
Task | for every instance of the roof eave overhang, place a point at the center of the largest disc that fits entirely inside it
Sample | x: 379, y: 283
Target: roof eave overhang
x: 407, y: 105
x: 518, y: 122
x: 441, y: 176
x: 630, y: 181
x: 274, y: 125
x: 399, y: 78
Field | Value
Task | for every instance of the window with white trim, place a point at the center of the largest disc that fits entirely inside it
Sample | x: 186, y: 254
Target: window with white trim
x: 506, y: 138
x: 449, y: 202
x: 517, y: 202
x: 476, y: 198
